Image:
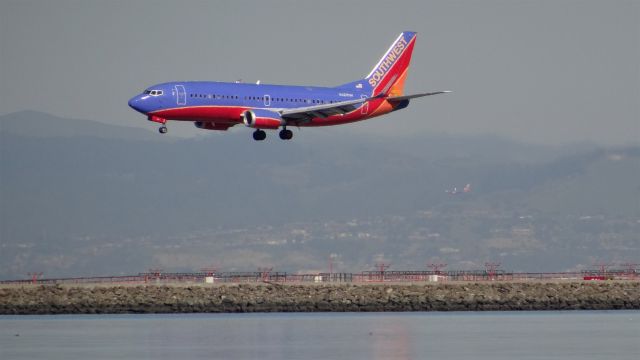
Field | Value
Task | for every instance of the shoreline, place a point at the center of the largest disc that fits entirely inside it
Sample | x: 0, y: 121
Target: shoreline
x: 275, y: 297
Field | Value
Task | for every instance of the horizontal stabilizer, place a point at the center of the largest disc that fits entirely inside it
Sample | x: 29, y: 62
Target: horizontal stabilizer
x: 407, y: 97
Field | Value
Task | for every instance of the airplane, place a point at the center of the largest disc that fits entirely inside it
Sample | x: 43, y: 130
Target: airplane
x: 465, y: 190
x: 221, y: 105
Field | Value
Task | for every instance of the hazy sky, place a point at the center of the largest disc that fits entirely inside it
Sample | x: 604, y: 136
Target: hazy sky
x: 536, y: 71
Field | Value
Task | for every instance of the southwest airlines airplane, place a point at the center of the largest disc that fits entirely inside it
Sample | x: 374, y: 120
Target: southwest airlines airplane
x: 219, y: 105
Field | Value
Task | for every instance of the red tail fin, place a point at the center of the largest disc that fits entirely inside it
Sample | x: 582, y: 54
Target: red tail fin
x: 389, y: 74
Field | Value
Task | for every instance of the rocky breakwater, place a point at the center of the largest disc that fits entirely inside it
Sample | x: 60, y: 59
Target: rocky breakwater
x: 313, y: 298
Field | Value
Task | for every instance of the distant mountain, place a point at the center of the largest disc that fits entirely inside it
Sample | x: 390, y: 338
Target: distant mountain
x: 42, y: 125
x: 68, y: 187
x: 605, y: 182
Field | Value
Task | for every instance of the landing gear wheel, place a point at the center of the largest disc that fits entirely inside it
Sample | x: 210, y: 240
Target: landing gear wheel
x: 286, y: 134
x: 259, y: 135
x: 163, y: 130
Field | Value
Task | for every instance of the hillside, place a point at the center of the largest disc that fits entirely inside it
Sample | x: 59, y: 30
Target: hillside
x: 85, y: 197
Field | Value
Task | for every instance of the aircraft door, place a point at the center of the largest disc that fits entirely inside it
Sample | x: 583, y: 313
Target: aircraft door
x: 365, y: 106
x: 181, y: 95
x: 267, y: 100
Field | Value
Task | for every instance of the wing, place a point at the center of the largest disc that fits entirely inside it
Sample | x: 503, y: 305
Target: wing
x: 213, y: 125
x: 407, y: 97
x: 303, y: 114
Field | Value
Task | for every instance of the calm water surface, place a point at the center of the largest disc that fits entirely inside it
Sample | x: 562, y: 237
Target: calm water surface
x: 462, y: 335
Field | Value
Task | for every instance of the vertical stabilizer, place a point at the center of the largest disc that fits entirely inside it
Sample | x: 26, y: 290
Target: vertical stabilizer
x: 389, y: 74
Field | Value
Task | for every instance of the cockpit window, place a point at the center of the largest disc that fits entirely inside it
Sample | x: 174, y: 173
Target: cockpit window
x: 153, y: 92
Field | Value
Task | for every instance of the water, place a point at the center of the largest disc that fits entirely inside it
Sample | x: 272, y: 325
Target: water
x: 462, y: 335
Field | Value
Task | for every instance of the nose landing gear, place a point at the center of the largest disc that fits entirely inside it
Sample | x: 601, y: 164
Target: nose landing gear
x: 162, y: 121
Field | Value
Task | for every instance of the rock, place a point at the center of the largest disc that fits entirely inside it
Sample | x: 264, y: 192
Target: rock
x: 350, y: 297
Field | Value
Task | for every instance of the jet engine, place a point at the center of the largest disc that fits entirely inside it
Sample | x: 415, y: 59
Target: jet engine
x: 262, y: 119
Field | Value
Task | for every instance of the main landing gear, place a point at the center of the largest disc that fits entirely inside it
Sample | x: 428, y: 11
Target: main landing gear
x: 163, y: 130
x: 259, y: 135
x: 284, y: 134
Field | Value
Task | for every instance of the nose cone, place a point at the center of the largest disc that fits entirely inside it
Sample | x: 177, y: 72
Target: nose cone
x: 137, y: 103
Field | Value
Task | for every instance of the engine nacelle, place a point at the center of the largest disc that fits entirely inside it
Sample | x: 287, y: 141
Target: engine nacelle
x: 262, y: 119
